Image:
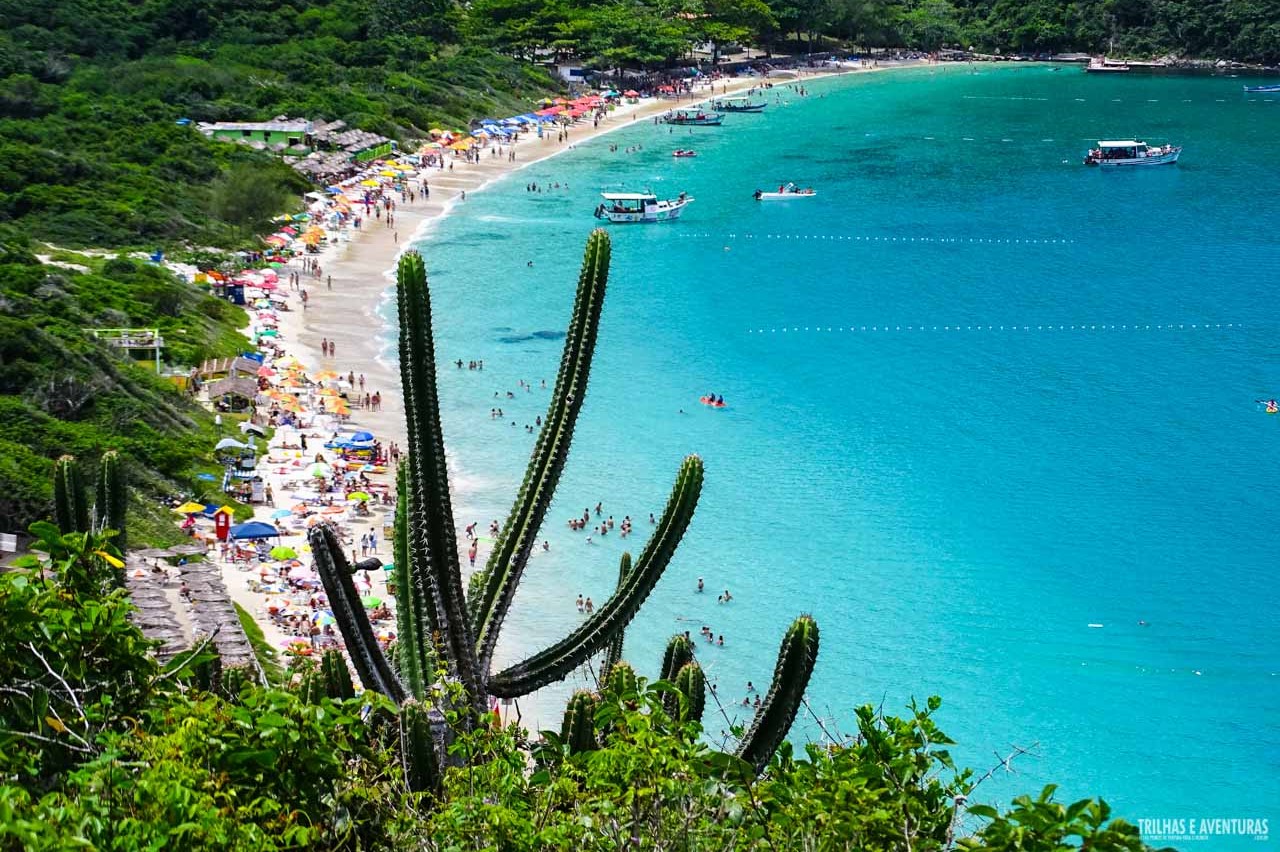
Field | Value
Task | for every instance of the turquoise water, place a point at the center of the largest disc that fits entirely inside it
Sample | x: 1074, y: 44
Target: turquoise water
x: 958, y: 491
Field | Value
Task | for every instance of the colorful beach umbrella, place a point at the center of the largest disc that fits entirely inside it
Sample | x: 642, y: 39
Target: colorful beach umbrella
x: 282, y: 552
x: 371, y: 601
x: 358, y: 496
x: 190, y: 508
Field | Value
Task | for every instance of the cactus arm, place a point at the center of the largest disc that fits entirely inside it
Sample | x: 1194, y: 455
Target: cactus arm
x: 511, y: 552
x: 337, y: 680
x: 411, y: 620
x: 418, y: 749
x: 70, y: 509
x: 622, y: 680
x: 613, y: 651
x: 796, y: 659
x: 433, y: 554
x: 371, y: 664
x: 578, y: 728
x: 692, y: 683
x: 557, y: 661
x: 679, y: 653
x: 112, y: 502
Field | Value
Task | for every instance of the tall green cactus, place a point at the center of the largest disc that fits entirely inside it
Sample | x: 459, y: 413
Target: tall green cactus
x: 578, y: 727
x: 518, y: 536
x: 796, y: 659
x: 413, y: 622
x: 433, y: 564
x: 692, y: 683
x: 418, y: 754
x: 69, y: 507
x: 112, y: 501
x: 613, y: 650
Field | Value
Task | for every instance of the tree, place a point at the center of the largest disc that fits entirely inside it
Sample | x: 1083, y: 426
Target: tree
x: 246, y: 198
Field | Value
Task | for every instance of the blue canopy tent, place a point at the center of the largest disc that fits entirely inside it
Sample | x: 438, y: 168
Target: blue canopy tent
x: 252, y: 530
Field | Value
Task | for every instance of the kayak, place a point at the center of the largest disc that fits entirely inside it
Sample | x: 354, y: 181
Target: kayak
x: 708, y: 401
x: 683, y: 153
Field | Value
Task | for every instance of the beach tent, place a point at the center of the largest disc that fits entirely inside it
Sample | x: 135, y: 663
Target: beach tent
x: 230, y: 444
x: 253, y: 530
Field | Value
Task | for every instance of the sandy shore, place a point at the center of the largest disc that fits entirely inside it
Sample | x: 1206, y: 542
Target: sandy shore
x: 345, y: 314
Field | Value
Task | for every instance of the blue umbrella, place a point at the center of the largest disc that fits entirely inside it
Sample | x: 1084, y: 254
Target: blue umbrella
x: 252, y: 530
x: 281, y: 513
x: 361, y: 436
x: 488, y: 121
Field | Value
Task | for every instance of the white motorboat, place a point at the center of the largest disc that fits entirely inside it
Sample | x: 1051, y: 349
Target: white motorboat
x: 620, y: 207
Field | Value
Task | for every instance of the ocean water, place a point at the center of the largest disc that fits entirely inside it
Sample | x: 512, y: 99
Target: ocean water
x: 980, y: 398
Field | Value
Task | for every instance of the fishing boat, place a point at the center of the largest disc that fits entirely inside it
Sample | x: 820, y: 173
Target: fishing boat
x: 684, y: 118
x: 620, y: 207
x: 681, y: 152
x: 784, y: 193
x: 1130, y: 152
x: 737, y: 105
x: 1263, y: 90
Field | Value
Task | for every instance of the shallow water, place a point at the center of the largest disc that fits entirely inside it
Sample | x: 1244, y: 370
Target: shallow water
x: 979, y: 398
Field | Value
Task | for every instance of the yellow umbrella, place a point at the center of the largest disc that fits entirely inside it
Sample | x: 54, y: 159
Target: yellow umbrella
x: 324, y: 376
x: 287, y: 361
x: 389, y: 173
x: 190, y: 507
x: 369, y: 183
x: 435, y: 131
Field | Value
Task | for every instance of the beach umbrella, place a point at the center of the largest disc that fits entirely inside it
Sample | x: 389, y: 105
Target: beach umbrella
x: 246, y: 427
x: 282, y: 552
x: 319, y: 470
x: 266, y: 372
x: 325, y: 375
x: 371, y: 601
x: 287, y: 361
x: 190, y: 508
x: 206, y: 477
x: 370, y: 182
x: 253, y: 530
x: 358, y: 496
x: 281, y: 513
x: 230, y: 444
x: 361, y: 437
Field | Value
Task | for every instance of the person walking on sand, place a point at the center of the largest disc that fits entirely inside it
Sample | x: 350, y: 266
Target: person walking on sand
x: 471, y: 553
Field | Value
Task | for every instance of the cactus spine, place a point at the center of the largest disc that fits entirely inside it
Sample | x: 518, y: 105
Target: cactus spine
x: 578, y: 728
x: 418, y: 748
x: 796, y: 659
x: 70, y: 509
x: 112, y: 502
x: 692, y: 683
x: 613, y: 651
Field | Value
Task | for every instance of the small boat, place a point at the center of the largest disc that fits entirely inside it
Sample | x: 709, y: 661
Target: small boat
x: 1130, y: 152
x: 737, y: 105
x: 711, y: 401
x: 1099, y: 65
x: 684, y: 118
x: 621, y: 207
x: 1262, y: 90
x: 683, y: 153
x: 784, y: 193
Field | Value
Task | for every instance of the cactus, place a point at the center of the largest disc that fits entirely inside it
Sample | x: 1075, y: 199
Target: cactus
x: 418, y: 754
x: 622, y: 680
x: 578, y: 728
x: 678, y: 654
x: 336, y: 678
x: 435, y: 573
x: 692, y: 683
x: 613, y: 650
x: 70, y: 509
x: 111, y: 503
x: 796, y: 659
